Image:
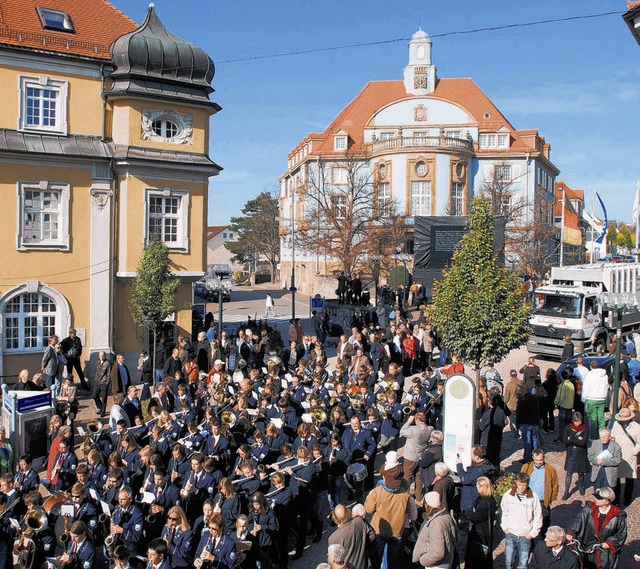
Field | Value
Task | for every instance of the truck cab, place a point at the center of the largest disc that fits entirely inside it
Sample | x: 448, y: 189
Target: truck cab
x: 568, y: 306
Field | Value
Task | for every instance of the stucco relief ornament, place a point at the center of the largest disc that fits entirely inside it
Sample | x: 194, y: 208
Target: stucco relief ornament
x: 420, y: 113
x: 173, y: 127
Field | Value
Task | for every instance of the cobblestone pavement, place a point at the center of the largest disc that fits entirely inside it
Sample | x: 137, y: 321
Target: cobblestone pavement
x: 562, y: 514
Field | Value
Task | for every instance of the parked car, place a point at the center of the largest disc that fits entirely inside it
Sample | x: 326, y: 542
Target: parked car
x: 606, y: 361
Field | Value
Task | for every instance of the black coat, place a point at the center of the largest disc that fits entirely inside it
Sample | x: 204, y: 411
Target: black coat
x: 543, y: 558
x: 576, y: 442
x: 482, y: 516
x: 612, y: 531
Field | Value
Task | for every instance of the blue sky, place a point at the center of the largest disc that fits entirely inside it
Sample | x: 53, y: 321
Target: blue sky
x: 578, y: 82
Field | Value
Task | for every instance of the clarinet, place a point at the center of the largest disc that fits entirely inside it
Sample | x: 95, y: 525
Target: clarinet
x: 199, y: 563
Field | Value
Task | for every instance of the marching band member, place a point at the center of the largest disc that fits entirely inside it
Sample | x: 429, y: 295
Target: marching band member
x: 194, y: 439
x: 302, y: 476
x: 97, y: 471
x: 127, y: 521
x: 157, y: 554
x: 165, y: 497
x: 260, y: 449
x: 196, y: 486
x: 115, y: 483
x: 44, y: 540
x: 338, y: 458
x: 281, y: 501
x: 246, y: 553
x: 84, y: 510
x: 122, y: 559
x: 80, y: 553
x: 177, y: 534
x: 248, y: 483
x: 179, y: 467
x: 264, y: 525
x: 26, y: 479
x: 65, y: 467
x: 227, y: 503
x: 201, y: 525
x: 217, y: 445
x: 216, y: 550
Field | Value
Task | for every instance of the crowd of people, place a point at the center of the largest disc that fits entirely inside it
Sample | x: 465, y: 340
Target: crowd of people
x: 200, y: 465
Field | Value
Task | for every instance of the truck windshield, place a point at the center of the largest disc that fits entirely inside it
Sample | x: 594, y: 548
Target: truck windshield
x: 558, y: 305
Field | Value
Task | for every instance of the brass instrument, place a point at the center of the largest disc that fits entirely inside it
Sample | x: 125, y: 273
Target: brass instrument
x: 273, y: 363
x: 93, y: 428
x: 319, y: 416
x: 64, y: 538
x: 35, y: 521
x: 228, y: 418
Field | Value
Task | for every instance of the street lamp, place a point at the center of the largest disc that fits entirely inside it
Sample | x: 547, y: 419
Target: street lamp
x: 221, y: 285
x: 621, y: 303
x: 292, y: 288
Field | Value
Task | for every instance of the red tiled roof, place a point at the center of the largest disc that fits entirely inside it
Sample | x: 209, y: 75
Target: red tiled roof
x: 631, y: 4
x: 561, y: 187
x: 213, y: 230
x: 378, y: 94
x: 96, y: 23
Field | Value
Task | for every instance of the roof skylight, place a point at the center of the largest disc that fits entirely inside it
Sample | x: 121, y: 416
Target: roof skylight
x: 55, y: 20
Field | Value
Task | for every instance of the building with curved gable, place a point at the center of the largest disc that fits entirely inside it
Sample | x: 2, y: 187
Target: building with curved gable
x: 429, y: 145
x: 104, y: 145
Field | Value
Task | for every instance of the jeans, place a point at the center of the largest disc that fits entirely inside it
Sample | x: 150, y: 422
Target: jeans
x: 594, y: 410
x: 530, y: 440
x: 389, y: 551
x: 516, y: 546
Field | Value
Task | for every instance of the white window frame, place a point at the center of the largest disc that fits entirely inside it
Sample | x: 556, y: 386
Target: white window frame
x: 493, y: 140
x: 457, y: 198
x: 420, y: 197
x: 340, y: 142
x: 339, y: 175
x: 384, y: 198
x: 454, y: 134
x: 387, y: 135
x: 182, y: 236
x: 43, y: 323
x: 62, y: 241
x: 340, y: 204
x: 500, y: 171
x: 26, y: 82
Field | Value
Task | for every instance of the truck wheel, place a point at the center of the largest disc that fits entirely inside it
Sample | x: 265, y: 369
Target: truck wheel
x: 601, y: 341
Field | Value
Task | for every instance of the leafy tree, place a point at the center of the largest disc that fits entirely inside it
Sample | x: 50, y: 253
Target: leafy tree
x: 153, y: 289
x: 478, y: 305
x: 257, y: 231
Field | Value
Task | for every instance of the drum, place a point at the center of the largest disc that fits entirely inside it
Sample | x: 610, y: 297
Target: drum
x: 357, y: 471
x: 53, y: 503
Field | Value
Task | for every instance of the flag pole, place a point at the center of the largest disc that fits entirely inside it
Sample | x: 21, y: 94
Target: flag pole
x: 637, y: 223
x: 564, y: 197
x: 592, y: 223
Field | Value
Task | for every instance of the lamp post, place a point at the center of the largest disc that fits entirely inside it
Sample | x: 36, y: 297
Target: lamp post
x: 220, y: 285
x: 620, y: 303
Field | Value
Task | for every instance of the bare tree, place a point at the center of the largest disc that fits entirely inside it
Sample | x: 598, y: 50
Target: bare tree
x: 343, y: 213
x: 530, y: 235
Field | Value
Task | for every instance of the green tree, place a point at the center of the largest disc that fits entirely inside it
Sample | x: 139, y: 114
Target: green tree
x: 478, y: 305
x: 153, y: 289
x: 257, y: 232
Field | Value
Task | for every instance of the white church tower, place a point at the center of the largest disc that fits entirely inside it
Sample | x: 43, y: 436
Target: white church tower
x: 420, y: 74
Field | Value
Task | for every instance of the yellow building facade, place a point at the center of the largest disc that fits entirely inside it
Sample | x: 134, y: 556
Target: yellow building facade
x: 104, y: 139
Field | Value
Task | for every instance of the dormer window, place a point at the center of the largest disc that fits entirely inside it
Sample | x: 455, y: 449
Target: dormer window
x: 493, y: 141
x: 160, y: 125
x: 340, y: 142
x: 55, y: 20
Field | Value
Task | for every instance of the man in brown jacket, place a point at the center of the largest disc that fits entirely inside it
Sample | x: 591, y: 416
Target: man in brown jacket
x: 512, y: 393
x: 543, y: 480
x: 354, y: 535
x: 389, y: 504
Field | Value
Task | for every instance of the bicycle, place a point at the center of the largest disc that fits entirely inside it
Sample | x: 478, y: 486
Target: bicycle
x: 582, y: 551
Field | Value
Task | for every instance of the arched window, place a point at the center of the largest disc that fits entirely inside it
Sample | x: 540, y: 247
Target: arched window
x: 29, y: 318
x: 164, y: 128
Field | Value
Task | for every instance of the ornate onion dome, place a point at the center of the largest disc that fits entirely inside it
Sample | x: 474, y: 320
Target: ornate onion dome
x: 152, y: 59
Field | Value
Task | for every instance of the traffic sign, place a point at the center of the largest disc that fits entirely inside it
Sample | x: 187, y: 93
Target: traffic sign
x: 292, y: 289
x: 317, y: 303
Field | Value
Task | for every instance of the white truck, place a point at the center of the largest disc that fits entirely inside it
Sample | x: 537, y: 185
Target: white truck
x: 568, y: 306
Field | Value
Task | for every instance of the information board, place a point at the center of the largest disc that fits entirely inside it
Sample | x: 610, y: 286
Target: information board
x: 459, y: 409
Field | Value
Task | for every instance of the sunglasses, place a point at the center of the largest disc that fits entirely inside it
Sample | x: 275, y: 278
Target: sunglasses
x: 174, y: 519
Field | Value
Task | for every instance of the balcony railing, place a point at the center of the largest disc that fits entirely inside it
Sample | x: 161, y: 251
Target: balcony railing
x: 422, y: 141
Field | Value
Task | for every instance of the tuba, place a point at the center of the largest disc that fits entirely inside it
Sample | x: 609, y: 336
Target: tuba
x: 228, y: 418
x: 93, y: 428
x: 319, y: 416
x: 273, y: 364
x: 35, y: 520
